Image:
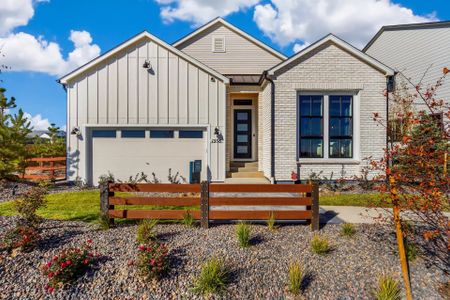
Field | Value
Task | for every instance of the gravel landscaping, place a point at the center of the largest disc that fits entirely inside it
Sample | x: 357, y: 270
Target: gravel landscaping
x: 259, y: 272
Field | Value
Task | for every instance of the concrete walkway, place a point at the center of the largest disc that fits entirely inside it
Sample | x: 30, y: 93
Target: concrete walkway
x: 349, y: 214
x: 329, y: 214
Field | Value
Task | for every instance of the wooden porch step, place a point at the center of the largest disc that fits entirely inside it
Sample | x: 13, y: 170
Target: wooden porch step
x: 244, y: 164
x: 247, y: 175
x: 244, y: 169
x: 247, y: 181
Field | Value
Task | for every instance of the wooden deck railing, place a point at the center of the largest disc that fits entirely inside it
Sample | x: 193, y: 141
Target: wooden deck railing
x: 213, y: 201
x: 45, y: 168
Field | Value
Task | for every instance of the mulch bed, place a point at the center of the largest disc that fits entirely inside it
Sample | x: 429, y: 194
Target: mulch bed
x: 260, y: 272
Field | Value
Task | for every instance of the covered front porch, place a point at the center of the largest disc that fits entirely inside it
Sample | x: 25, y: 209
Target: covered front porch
x: 243, y: 150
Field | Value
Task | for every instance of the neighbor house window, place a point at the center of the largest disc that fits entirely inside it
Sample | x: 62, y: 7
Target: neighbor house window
x: 104, y: 133
x: 311, y: 126
x: 133, y: 133
x: 161, y: 134
x: 340, y: 126
x: 325, y: 123
x: 190, y: 134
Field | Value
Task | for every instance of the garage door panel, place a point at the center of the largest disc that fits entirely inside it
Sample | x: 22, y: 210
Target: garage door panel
x: 125, y: 157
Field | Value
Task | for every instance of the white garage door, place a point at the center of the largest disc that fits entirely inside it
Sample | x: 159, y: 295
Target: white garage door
x: 126, y: 152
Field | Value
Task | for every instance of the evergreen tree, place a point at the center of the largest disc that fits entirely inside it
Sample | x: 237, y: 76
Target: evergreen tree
x: 13, y: 132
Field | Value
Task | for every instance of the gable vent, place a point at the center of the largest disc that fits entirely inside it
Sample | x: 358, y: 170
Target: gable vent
x: 218, y: 44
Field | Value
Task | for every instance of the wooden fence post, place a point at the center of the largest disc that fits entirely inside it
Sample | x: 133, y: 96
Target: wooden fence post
x: 315, y: 225
x: 204, y: 204
x: 104, y: 201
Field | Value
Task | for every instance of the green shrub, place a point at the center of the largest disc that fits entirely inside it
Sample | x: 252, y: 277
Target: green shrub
x: 188, y: 219
x: 213, y: 277
x: 152, y: 260
x: 387, y: 288
x: 68, y: 265
x: 27, y: 206
x: 411, y: 251
x: 103, y: 222
x: 347, y: 229
x: 243, y: 231
x: 320, y: 245
x: 271, y: 222
x: 145, y: 231
x: 22, y: 237
x: 296, y: 276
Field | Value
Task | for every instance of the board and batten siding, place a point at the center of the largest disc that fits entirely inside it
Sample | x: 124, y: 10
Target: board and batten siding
x: 241, y: 55
x: 416, y: 52
x: 119, y: 91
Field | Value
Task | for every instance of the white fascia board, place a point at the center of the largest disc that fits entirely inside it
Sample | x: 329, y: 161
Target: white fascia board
x: 66, y: 78
x: 341, y: 43
x: 233, y: 28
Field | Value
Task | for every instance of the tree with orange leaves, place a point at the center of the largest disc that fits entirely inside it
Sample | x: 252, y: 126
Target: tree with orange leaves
x: 413, y: 171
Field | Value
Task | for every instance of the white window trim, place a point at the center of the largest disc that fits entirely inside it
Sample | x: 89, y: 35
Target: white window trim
x: 214, y: 38
x: 326, y: 117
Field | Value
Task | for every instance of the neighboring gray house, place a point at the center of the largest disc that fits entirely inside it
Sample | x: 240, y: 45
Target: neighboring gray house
x: 218, y: 95
x: 417, y: 51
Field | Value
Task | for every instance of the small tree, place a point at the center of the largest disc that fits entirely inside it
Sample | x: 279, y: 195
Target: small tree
x: 413, y: 170
x: 13, y: 132
x: 54, y: 147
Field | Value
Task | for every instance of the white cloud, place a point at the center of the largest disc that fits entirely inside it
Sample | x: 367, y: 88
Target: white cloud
x: 37, y: 122
x: 199, y: 12
x: 84, y: 49
x: 25, y: 52
x: 299, y: 47
x: 356, y: 21
x: 14, y: 13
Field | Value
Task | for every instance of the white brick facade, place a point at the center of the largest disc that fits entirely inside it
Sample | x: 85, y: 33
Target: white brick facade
x: 328, y: 68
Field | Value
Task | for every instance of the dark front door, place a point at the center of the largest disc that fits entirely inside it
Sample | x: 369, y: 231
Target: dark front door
x: 243, y: 133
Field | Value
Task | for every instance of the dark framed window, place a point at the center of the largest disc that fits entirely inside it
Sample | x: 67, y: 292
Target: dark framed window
x: 311, y: 126
x: 243, y: 102
x: 341, y: 126
x: 190, y: 134
x: 161, y: 134
x: 104, y: 133
x: 133, y: 133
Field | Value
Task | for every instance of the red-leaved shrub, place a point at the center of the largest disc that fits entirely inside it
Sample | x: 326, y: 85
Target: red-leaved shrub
x: 21, y: 237
x: 152, y: 260
x: 68, y: 265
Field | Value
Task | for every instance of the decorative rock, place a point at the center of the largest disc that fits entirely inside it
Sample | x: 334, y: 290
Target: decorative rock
x: 260, y: 272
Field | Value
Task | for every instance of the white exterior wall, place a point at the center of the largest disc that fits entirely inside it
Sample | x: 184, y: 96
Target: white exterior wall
x: 241, y: 56
x: 328, y: 69
x: 265, y: 129
x: 415, y: 52
x: 121, y: 92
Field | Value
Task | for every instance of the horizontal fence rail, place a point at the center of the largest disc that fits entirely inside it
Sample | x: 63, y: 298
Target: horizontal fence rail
x: 45, y: 168
x: 208, y: 202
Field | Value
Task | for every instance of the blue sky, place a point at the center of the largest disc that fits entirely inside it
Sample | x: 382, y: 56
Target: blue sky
x: 34, y: 34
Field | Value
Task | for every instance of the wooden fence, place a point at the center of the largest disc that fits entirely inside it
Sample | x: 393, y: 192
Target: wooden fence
x: 45, y: 168
x: 211, y: 201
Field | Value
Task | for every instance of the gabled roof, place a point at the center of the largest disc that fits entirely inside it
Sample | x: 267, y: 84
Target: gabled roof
x: 221, y: 21
x: 410, y: 26
x: 131, y: 41
x: 342, y: 44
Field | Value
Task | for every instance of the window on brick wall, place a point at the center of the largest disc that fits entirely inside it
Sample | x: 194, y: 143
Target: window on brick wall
x: 311, y: 126
x: 326, y: 126
x: 340, y: 126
